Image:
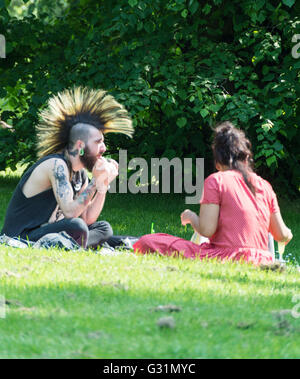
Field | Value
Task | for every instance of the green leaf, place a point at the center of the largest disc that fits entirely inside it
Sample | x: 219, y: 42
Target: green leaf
x: 297, y: 65
x: 268, y: 152
x: 206, y: 10
x: 200, y: 97
x: 275, y: 100
x: 278, y: 146
x: 132, y: 3
x: 230, y: 106
x: 181, y: 122
x: 171, y: 89
x: 184, y: 13
x: 214, y: 107
x: 194, y: 7
x: 268, y: 77
x: 243, y: 117
x: 148, y: 27
x: 265, y: 70
x: 271, y: 160
x: 204, y: 112
x: 3, y: 93
x: 289, y: 3
x: 262, y: 16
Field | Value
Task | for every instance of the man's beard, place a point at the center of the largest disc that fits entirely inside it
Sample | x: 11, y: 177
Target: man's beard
x: 88, y: 160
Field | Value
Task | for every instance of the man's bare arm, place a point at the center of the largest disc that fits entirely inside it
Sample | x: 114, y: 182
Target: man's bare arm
x: 59, y: 177
x: 95, y: 206
x: 106, y: 170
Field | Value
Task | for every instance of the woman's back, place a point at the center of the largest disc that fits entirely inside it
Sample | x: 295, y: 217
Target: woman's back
x: 244, y: 219
x: 238, y: 209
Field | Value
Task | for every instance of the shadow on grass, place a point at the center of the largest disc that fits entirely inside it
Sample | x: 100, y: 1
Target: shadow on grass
x: 108, y: 320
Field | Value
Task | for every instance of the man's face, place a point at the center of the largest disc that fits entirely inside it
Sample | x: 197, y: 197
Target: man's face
x: 94, y: 149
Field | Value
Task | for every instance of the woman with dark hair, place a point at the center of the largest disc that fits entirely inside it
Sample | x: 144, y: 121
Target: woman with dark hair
x: 238, y: 209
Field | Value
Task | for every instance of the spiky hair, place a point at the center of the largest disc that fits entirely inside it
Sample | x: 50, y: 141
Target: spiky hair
x: 79, y: 105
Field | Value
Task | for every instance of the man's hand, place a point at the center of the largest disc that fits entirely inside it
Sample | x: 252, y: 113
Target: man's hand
x: 57, y: 215
x: 104, y: 172
x: 114, y: 170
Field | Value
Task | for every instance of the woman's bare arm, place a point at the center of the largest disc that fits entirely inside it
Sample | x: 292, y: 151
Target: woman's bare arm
x: 206, y: 223
x: 278, y: 229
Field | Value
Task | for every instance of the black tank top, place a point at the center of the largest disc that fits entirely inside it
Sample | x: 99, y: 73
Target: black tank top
x: 25, y: 214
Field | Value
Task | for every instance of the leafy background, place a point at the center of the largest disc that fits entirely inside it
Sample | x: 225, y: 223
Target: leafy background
x: 179, y: 66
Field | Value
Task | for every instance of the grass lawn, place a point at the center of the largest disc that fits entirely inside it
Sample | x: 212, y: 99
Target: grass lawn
x: 84, y: 305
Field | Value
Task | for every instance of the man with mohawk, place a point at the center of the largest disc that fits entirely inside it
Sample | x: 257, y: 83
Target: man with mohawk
x: 54, y: 194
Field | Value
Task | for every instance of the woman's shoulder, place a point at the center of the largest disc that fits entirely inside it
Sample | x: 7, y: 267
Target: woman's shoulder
x: 259, y: 181
x: 221, y: 176
x: 213, y: 178
x: 226, y: 178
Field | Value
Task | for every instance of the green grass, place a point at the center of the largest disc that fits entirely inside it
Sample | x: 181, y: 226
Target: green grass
x: 84, y: 305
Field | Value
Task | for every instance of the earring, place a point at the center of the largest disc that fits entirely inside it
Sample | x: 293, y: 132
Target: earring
x: 81, y: 151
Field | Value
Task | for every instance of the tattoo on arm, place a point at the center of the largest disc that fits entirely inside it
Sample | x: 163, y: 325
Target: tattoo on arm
x: 64, y: 189
x: 88, y: 193
x: 62, y: 183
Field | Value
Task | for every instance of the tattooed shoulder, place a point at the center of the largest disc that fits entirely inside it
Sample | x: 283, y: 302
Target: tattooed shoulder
x: 62, y: 183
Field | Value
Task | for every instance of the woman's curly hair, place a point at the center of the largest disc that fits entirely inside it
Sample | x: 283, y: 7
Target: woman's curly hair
x: 231, y: 148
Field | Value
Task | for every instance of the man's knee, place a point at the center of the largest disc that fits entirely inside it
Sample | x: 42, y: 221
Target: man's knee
x: 104, y: 227
x: 78, y: 224
x: 108, y: 229
x: 78, y: 229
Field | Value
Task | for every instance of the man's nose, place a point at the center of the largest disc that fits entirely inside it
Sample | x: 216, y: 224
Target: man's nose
x: 102, y: 148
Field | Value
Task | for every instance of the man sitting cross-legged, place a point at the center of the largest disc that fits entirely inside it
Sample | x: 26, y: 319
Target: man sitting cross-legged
x: 55, y: 194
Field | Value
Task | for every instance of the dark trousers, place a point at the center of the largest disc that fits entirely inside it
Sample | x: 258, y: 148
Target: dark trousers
x: 86, y: 236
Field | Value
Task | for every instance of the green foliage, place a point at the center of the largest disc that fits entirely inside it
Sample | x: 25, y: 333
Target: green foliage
x: 178, y: 66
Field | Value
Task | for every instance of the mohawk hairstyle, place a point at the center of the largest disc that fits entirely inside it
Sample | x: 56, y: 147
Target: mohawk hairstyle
x: 79, y: 105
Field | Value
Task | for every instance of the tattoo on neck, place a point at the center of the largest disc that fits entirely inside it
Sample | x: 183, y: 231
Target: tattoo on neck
x: 73, y: 153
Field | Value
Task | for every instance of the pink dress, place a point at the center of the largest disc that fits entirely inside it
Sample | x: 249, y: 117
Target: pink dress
x: 244, y: 219
x: 243, y: 226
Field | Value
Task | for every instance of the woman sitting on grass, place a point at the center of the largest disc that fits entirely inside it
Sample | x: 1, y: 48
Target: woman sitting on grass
x: 238, y: 209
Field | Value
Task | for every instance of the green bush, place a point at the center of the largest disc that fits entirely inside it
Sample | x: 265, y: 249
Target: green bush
x: 179, y: 66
